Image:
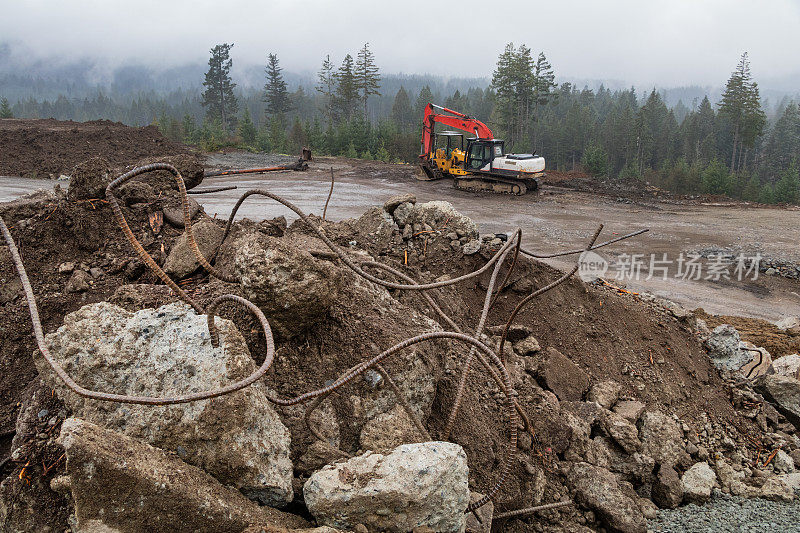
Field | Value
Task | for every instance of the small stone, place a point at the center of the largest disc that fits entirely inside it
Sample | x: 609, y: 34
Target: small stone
x: 455, y: 245
x: 776, y: 489
x: 80, y: 281
x: 697, y: 483
x: 566, y: 379
x: 66, y: 267
x: 788, y: 365
x: 453, y: 236
x: 783, y: 463
x: 471, y: 247
x: 604, y: 393
x: 527, y: 346
x: 667, y: 488
x: 630, y: 410
x: 96, y: 272
x: 484, y: 512
x: 181, y: 260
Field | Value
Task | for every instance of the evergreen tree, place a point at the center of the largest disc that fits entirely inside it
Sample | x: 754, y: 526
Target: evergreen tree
x: 425, y: 97
x: 247, y: 130
x: 543, y: 90
x: 787, y: 189
x: 326, y: 85
x: 346, y: 98
x: 275, y: 93
x: 513, y: 82
x: 741, y: 106
x: 189, y: 128
x: 402, y: 114
x: 366, y: 75
x: 5, y: 109
x: 218, y: 97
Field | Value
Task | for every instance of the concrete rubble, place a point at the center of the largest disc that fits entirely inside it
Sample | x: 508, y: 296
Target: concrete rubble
x: 237, y: 438
x: 415, y: 485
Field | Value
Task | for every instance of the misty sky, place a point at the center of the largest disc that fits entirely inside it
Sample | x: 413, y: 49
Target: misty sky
x: 642, y: 42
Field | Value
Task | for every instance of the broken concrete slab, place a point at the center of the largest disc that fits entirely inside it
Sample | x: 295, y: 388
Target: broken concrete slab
x: 238, y: 438
x: 119, y: 484
x: 416, y: 485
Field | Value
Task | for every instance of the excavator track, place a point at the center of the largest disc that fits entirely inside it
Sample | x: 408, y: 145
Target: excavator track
x: 493, y: 184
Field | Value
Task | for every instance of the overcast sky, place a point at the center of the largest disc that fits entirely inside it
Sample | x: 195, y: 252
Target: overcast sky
x: 642, y: 42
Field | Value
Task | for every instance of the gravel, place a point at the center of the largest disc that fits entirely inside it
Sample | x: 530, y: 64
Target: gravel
x: 729, y: 514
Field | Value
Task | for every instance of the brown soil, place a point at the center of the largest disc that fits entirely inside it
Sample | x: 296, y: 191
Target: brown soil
x: 41, y: 148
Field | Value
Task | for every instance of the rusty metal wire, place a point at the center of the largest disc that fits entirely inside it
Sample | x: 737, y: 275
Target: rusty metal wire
x: 581, y: 250
x: 213, y: 189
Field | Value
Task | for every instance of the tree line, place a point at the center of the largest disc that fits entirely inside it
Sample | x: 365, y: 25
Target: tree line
x: 726, y: 147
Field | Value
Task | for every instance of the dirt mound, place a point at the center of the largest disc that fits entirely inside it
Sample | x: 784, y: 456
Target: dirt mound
x: 41, y: 148
x: 651, y: 356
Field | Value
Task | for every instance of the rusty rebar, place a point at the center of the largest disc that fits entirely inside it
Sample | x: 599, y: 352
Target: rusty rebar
x: 581, y: 250
x: 531, y: 510
x: 330, y: 193
x: 213, y: 189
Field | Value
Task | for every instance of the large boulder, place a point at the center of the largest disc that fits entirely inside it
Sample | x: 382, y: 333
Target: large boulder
x: 697, y: 483
x: 784, y: 392
x: 292, y: 288
x: 667, y: 488
x: 181, y: 260
x: 119, y: 484
x: 597, y: 489
x: 414, y: 486
x: 238, y: 438
x: 728, y: 352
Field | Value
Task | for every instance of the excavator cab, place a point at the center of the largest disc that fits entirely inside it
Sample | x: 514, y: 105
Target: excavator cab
x: 481, y: 152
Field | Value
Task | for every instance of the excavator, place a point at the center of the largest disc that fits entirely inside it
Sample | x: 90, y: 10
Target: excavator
x: 483, y: 165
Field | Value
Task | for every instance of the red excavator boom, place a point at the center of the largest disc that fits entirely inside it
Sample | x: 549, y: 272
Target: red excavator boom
x: 454, y: 120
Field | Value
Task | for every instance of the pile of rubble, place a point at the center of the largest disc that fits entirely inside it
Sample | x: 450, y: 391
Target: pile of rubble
x: 613, y: 437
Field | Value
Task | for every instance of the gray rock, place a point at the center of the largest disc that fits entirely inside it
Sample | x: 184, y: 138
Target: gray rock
x: 630, y: 410
x: 174, y: 214
x: 181, y: 261
x: 387, y: 431
x: 597, y: 489
x: 292, y: 288
x: 622, y: 431
x: 471, y: 247
x: 667, y: 488
x: 237, y: 438
x: 416, y: 485
x: 402, y: 214
x: 80, y: 281
x: 782, y: 463
x: 438, y: 215
x: 760, y: 362
x: 784, y: 393
x: 527, y: 346
x: 604, y: 393
x: 776, y: 489
x: 697, y: 483
x: 66, y: 267
x: 788, y: 365
x: 395, y: 201
x: 662, y: 438
x: 120, y: 484
x: 723, y: 348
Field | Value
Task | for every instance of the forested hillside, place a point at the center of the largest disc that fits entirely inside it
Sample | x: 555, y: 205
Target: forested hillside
x: 733, y: 143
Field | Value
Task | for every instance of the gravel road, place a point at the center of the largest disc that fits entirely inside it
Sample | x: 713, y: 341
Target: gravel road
x: 730, y: 514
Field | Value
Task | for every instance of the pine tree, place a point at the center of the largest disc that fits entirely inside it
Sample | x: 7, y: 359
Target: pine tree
x: 189, y: 128
x: 425, y: 97
x: 543, y: 90
x: 346, y: 98
x: 218, y: 97
x: 366, y: 75
x: 513, y: 83
x: 5, y: 109
x: 741, y: 105
x: 401, y: 110
x: 326, y: 85
x: 275, y: 93
x: 787, y: 189
x: 247, y: 129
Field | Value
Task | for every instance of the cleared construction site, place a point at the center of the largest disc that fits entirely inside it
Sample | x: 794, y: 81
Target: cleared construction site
x: 254, y: 342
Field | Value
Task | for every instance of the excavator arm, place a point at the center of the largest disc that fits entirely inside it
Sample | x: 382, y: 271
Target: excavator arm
x: 452, y: 119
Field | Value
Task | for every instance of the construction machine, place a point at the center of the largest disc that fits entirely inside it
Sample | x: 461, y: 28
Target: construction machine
x: 483, y: 165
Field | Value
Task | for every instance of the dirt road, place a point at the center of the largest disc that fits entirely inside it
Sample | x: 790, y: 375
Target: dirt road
x: 552, y: 220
